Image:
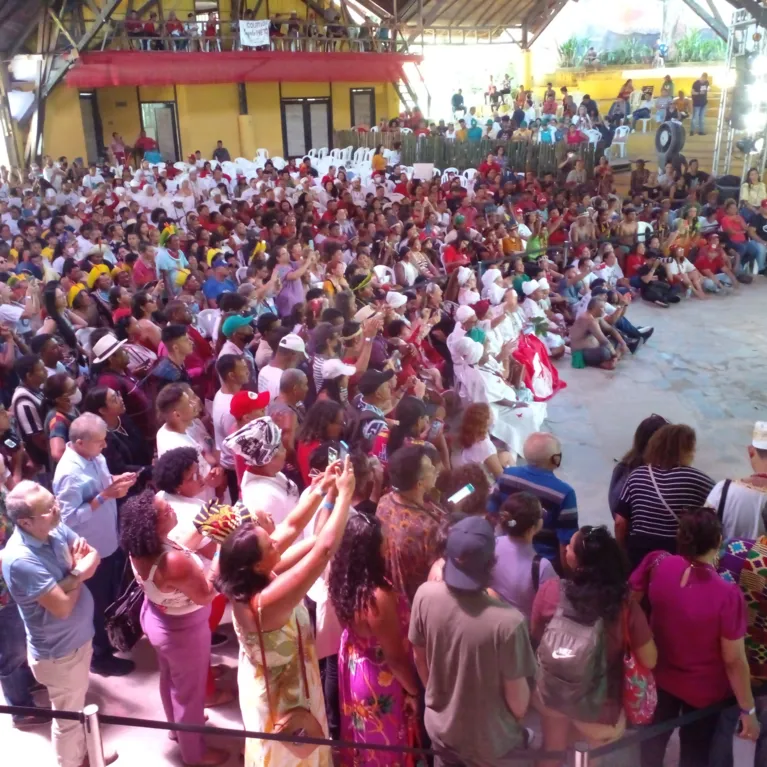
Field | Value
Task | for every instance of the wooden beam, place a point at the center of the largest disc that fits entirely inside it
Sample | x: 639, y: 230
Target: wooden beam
x: 436, y: 8
x: 473, y: 6
x: 146, y: 6
x: 541, y: 28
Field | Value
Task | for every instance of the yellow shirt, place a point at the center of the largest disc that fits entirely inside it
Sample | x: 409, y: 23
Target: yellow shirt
x: 753, y: 194
x: 379, y: 162
x: 47, y: 253
x: 461, y: 134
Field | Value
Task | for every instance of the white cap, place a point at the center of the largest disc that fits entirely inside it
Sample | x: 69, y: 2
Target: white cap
x: 463, y: 313
x: 294, y: 343
x: 759, y: 439
x: 395, y: 300
x: 543, y: 284
x: 334, y: 368
x: 528, y: 288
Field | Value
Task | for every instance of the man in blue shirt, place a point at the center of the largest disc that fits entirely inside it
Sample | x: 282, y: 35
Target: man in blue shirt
x: 543, y: 454
x: 219, y: 282
x: 45, y: 565
x: 87, y: 494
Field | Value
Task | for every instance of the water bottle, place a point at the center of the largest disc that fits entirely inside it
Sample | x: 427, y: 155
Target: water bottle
x: 743, y: 750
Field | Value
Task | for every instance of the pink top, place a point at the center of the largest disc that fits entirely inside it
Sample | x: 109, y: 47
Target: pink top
x: 688, y: 624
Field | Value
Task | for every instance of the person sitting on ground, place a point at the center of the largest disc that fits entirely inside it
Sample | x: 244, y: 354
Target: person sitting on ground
x: 589, y: 336
x: 476, y: 444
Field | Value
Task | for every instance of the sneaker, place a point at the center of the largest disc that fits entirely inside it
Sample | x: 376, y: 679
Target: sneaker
x: 644, y: 328
x: 662, y: 304
x: 646, y: 333
x: 633, y: 344
x: 112, y: 666
x: 218, y: 639
x: 674, y: 299
x: 30, y: 720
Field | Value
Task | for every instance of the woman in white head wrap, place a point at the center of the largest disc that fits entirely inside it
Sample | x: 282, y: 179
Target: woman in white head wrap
x: 513, y: 421
x: 536, y: 320
x: 467, y: 280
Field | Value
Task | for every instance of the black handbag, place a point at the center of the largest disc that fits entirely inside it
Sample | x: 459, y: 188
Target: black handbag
x: 122, y: 619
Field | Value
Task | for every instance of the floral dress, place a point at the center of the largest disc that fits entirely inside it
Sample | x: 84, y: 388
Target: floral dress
x: 286, y: 687
x: 374, y: 705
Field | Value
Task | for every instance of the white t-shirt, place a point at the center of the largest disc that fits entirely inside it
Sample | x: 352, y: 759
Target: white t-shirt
x: 477, y: 453
x: 10, y: 315
x: 743, y: 508
x: 223, y: 423
x: 168, y: 440
x: 269, y: 380
x: 186, y: 510
x: 674, y: 267
x: 276, y: 495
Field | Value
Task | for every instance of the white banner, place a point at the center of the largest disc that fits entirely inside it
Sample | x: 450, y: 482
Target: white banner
x: 254, y: 34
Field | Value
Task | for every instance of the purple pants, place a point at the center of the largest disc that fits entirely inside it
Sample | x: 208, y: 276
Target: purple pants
x: 182, y: 643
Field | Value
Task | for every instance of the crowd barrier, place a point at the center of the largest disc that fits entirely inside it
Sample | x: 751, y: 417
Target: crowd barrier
x: 580, y: 755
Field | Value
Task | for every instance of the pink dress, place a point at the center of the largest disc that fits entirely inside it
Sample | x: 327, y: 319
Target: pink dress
x: 374, y: 708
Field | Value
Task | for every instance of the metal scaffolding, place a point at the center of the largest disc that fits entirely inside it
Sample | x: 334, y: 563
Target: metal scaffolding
x: 746, y: 37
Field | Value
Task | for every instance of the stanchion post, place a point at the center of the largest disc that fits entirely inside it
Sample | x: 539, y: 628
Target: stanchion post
x: 93, y: 736
x: 581, y: 755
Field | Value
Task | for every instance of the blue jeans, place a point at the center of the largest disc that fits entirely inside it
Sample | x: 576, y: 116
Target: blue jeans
x: 697, y: 119
x: 15, y: 676
x: 721, y: 747
x: 627, y: 329
x: 749, y: 251
x: 710, y: 286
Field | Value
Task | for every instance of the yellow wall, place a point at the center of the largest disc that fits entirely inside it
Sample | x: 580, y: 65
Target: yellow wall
x: 63, y: 124
x: 119, y: 112
x: 207, y: 113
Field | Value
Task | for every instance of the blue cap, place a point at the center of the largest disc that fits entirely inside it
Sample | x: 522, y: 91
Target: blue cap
x: 469, y: 554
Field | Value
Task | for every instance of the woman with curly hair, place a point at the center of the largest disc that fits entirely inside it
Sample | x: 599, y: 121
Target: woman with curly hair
x: 174, y: 616
x: 267, y: 577
x: 596, y: 589
x: 324, y: 421
x: 475, y: 443
x: 376, y: 676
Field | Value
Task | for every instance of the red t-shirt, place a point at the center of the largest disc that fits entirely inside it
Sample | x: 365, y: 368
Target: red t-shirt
x: 633, y: 263
x: 453, y: 258
x: 709, y: 260
x: 735, y: 227
x: 143, y: 273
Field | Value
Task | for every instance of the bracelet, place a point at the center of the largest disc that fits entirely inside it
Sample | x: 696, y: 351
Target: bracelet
x: 329, y: 505
x: 750, y: 712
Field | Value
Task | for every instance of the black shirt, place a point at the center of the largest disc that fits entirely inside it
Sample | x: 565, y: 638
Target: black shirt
x: 660, y: 271
x: 700, y: 178
x: 759, y: 222
x: 702, y: 99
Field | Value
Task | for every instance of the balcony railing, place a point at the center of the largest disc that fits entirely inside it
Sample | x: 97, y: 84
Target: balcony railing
x: 224, y: 35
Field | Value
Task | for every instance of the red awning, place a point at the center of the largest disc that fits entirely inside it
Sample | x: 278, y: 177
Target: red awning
x: 102, y: 69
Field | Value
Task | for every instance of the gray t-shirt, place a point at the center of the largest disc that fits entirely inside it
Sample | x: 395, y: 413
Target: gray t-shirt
x: 473, y: 643
x: 512, y: 577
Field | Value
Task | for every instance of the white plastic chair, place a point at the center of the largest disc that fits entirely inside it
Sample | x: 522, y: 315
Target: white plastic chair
x: 436, y: 173
x: 278, y: 163
x: 312, y: 153
x: 346, y: 153
x: 619, y: 140
x: 405, y: 130
x: 384, y: 274
x: 322, y: 153
x: 643, y: 121
x: 337, y: 154
x: 229, y: 168
x: 206, y: 321
x: 262, y: 153
x: 593, y: 135
x: 359, y: 154
x: 469, y: 174
x: 182, y: 166
x: 374, y: 129
x: 241, y: 274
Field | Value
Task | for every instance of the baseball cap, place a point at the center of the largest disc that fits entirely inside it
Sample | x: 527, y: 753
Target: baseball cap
x: 469, y: 554
x: 334, y: 368
x: 759, y: 438
x: 294, y: 343
x: 372, y: 379
x: 233, y: 324
x: 245, y: 402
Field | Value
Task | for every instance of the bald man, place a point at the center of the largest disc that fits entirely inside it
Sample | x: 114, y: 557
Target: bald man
x: 543, y: 454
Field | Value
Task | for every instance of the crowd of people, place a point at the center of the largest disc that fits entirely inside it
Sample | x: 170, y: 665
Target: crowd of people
x: 287, y: 32
x: 322, y: 404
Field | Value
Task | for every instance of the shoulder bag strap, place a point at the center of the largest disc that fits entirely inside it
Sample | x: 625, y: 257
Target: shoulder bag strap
x: 536, y: 572
x: 257, y: 616
x: 301, y: 658
x: 723, y: 499
x: 662, y: 499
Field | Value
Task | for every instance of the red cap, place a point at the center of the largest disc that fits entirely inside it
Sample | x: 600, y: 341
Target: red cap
x: 764, y: 204
x: 245, y: 402
x: 519, y: 212
x: 542, y: 199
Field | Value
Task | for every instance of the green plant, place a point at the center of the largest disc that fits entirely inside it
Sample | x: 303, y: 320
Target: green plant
x: 692, y: 46
x: 572, y: 51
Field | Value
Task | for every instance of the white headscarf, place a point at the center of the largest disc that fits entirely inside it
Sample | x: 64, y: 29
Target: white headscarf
x: 529, y: 287
x: 489, y: 277
x: 464, y: 313
x: 464, y: 275
x: 467, y: 351
x: 495, y: 293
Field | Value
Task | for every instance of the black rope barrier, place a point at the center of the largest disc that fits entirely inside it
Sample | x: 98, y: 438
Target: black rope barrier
x: 151, y: 724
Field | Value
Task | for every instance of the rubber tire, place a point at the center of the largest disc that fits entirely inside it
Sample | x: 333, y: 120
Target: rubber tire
x: 670, y: 138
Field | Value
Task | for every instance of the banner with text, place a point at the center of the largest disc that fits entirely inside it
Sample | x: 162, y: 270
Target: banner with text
x: 254, y: 34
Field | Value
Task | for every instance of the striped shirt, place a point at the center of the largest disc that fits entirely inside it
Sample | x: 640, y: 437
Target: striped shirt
x: 26, y: 407
x: 682, y: 488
